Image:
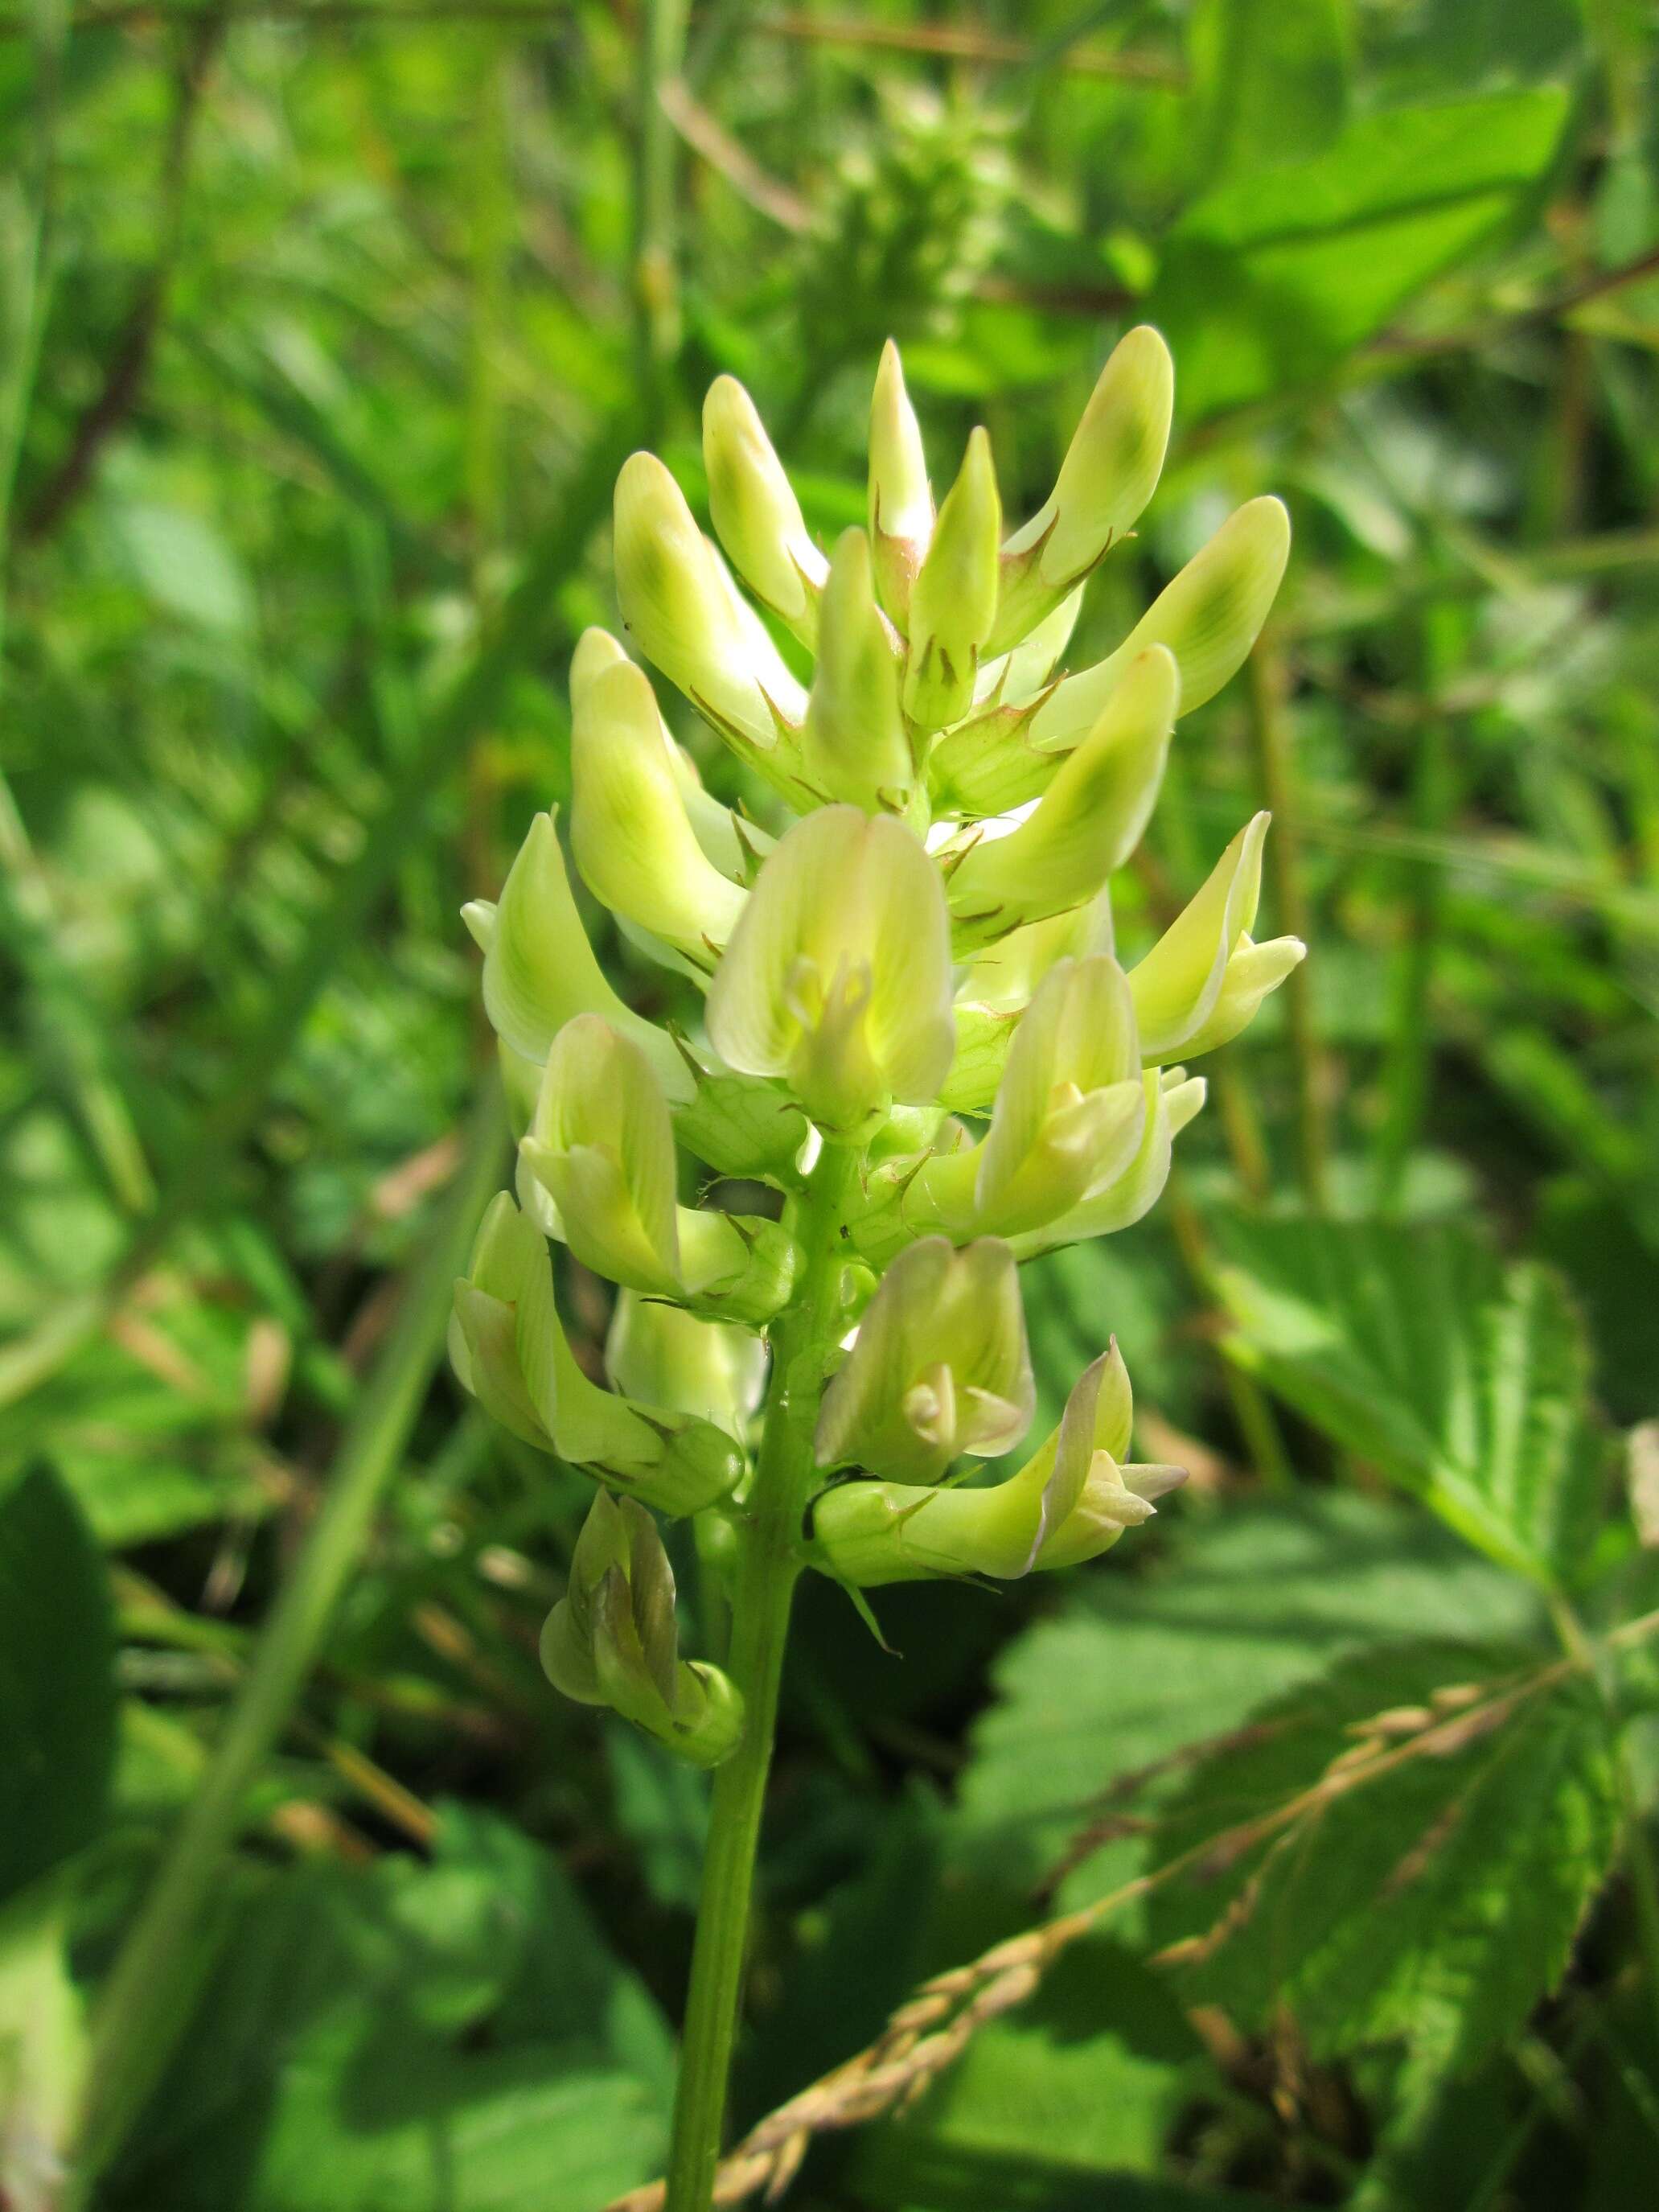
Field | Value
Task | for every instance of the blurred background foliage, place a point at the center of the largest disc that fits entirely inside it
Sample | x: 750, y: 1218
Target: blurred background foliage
x: 326, y: 325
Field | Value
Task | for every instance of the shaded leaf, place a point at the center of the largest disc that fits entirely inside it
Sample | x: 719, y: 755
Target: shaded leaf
x: 1416, y: 1349
x: 1429, y: 1893
x: 1268, y: 283
x: 57, y: 1679
x: 1134, y: 1668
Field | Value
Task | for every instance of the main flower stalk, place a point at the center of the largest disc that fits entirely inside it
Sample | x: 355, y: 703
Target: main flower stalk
x: 910, y: 1030
x: 769, y: 1564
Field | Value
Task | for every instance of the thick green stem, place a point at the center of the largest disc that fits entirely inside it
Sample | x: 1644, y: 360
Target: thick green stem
x: 769, y: 1564
x: 145, y: 2002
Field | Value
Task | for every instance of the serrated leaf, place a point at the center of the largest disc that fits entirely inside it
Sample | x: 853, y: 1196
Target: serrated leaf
x: 1456, y: 1811
x: 1464, y: 1381
x: 1134, y: 1668
x: 1083, y: 2083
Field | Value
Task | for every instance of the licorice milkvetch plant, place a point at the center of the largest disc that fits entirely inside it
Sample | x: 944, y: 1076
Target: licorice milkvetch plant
x: 915, y: 1032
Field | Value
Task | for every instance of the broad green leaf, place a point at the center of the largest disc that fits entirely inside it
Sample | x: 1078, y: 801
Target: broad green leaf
x: 57, y: 1679
x: 1068, y: 2097
x: 1270, y: 80
x: 1438, y: 1901
x: 444, y: 2037
x: 1417, y: 1349
x: 1271, y: 279
x: 1135, y: 1668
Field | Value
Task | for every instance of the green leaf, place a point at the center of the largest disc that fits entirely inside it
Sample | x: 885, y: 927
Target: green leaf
x: 1434, y: 1889
x: 444, y: 2037
x: 1240, y: 1609
x: 1083, y: 2083
x: 57, y: 1679
x: 1270, y: 80
x: 1268, y: 283
x: 1417, y: 1349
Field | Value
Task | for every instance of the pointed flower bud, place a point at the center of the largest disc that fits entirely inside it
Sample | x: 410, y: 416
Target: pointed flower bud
x: 838, y: 975
x: 612, y: 1640
x: 1110, y: 470
x: 1070, y: 1502
x: 1205, y: 976
x: 509, y: 1350
x: 756, y: 513
x: 1069, y: 1115
x: 539, y: 969
x: 730, y: 844
x: 853, y: 745
x: 602, y: 1147
x: 661, y: 1353
x: 901, y: 500
x: 953, y: 602
x: 1086, y: 824
x: 629, y: 828
x: 1209, y: 617
x: 938, y: 1367
x: 684, y: 610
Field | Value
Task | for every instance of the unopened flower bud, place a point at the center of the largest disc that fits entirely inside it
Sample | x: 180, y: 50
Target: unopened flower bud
x: 938, y: 1367
x: 954, y: 599
x: 689, y: 620
x: 730, y: 844
x: 1110, y: 470
x: 1069, y: 1118
x: 666, y: 1356
x: 1071, y: 1502
x: 509, y: 1350
x: 602, y: 1147
x: 1204, y: 977
x: 837, y: 977
x: 901, y: 508
x: 854, y: 745
x: 629, y: 827
x: 756, y: 513
x: 539, y: 969
x: 1209, y: 617
x: 1086, y: 824
x: 612, y: 1640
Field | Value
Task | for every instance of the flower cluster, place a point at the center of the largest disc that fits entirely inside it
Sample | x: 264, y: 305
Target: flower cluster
x: 906, y: 963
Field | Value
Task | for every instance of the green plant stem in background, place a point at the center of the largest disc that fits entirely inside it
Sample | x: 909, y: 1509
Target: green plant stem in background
x: 767, y: 1568
x: 1408, y: 1064
x: 337, y: 926
x: 656, y: 286
x: 1270, y: 730
x: 144, y: 2004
